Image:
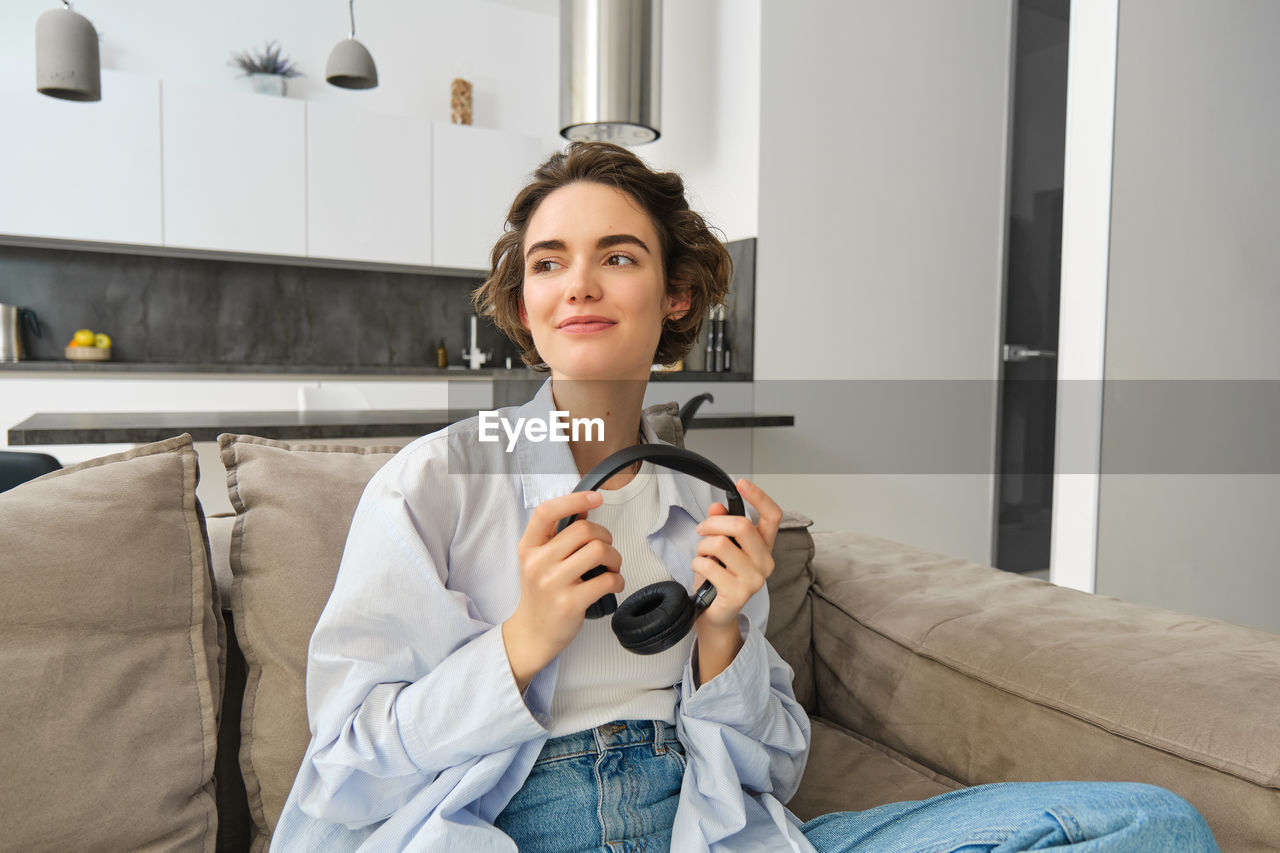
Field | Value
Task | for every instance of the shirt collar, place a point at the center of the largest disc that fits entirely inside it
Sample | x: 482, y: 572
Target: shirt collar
x: 547, y: 469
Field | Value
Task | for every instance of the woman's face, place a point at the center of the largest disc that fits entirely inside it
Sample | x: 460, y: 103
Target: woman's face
x: 594, y: 295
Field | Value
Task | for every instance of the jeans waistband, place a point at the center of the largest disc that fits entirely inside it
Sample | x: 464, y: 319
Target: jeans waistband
x: 619, y: 734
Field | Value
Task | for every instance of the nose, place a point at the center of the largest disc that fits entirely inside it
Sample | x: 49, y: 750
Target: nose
x: 582, y: 285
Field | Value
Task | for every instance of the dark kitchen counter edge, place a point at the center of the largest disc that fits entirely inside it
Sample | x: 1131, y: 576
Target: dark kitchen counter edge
x: 365, y: 370
x: 142, y: 427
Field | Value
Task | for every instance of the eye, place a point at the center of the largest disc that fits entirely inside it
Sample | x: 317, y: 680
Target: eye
x: 543, y: 265
x: 618, y: 259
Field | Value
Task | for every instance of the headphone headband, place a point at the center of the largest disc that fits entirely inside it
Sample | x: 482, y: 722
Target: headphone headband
x: 667, y: 456
x: 658, y: 616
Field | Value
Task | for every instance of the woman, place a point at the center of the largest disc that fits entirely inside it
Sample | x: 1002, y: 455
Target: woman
x: 458, y: 697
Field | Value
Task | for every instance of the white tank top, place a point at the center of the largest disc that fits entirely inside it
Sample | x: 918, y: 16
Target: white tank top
x: 598, y: 680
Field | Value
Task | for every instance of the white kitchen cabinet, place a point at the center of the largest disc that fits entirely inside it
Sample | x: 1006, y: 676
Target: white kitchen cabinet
x: 81, y: 170
x: 476, y: 174
x: 368, y: 186
x: 234, y: 170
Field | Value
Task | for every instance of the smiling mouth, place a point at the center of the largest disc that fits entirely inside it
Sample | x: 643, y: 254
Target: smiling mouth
x: 581, y: 327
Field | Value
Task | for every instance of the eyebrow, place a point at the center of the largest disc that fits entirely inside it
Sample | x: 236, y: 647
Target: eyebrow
x: 606, y: 242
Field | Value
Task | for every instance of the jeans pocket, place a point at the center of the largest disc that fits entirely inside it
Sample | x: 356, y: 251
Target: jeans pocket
x: 677, y: 755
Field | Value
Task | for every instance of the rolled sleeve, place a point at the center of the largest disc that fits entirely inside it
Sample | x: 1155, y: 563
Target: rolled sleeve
x: 406, y: 679
x: 747, y: 719
x: 489, y: 715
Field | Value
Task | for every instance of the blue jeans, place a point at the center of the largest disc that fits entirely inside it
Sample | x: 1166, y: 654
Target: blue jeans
x: 618, y: 782
x: 616, y: 788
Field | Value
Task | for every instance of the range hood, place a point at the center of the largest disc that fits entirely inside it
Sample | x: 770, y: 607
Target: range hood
x: 611, y: 70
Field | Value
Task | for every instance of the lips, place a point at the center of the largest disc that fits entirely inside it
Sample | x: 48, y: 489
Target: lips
x: 585, y: 324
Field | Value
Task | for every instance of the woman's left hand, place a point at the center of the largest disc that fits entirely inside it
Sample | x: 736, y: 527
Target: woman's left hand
x: 743, y: 568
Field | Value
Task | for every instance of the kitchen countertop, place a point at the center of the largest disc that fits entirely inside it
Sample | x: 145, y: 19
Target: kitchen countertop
x: 140, y: 427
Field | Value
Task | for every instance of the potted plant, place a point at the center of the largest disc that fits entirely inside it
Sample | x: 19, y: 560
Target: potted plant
x: 268, y: 69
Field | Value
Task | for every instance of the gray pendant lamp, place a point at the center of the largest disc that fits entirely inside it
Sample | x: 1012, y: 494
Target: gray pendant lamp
x: 67, y: 64
x: 350, y: 64
x: 611, y: 70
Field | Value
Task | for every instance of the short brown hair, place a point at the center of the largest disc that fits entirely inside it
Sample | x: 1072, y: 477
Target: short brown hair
x: 693, y: 258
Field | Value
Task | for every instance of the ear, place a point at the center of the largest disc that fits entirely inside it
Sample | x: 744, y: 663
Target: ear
x: 524, y: 315
x: 678, y: 299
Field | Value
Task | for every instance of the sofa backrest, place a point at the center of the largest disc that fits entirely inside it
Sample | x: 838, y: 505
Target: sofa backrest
x: 790, y: 628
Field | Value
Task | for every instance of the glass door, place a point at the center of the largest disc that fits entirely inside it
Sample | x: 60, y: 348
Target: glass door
x: 1028, y: 383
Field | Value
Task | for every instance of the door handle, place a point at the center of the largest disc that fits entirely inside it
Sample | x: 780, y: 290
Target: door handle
x: 1017, y: 352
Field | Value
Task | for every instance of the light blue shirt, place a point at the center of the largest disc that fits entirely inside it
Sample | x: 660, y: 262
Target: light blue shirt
x: 420, y: 736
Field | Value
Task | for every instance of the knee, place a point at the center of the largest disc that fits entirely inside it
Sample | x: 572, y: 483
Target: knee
x: 1154, y: 805
x: 1153, y: 798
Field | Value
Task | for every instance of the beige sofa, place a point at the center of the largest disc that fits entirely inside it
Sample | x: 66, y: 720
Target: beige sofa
x: 129, y: 719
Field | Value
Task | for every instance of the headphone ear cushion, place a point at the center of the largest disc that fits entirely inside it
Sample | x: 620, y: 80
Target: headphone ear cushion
x: 654, y: 618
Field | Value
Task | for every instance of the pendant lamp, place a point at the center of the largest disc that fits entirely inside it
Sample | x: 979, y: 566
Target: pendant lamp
x: 67, y: 64
x: 611, y: 70
x: 350, y: 64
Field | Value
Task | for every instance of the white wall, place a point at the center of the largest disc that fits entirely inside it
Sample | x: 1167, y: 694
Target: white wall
x: 1192, y: 299
x: 711, y: 109
x: 882, y: 183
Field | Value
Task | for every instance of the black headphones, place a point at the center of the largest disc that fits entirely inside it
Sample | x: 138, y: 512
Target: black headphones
x: 655, y: 618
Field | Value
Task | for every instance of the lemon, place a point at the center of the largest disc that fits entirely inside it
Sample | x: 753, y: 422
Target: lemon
x: 84, y: 338
x: 102, y: 341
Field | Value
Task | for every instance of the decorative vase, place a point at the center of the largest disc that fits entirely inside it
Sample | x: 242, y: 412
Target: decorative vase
x: 268, y: 84
x: 460, y: 102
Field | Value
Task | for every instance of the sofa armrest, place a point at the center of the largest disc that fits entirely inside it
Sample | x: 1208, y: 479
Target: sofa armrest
x: 790, y: 628
x: 987, y: 676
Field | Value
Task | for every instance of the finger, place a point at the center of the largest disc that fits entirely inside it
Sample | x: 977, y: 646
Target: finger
x: 770, y: 512
x: 717, y: 508
x: 570, y: 570
x: 733, y: 558
x: 542, y: 523
x: 574, y: 537
x: 729, y: 588
x: 747, y: 535
x: 587, y: 593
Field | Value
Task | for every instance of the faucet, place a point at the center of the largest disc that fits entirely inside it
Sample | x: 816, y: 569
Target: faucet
x: 474, y: 358
x: 689, y: 409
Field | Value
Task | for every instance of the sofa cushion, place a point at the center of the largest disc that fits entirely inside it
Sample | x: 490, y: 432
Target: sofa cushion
x: 849, y: 772
x: 218, y: 528
x: 989, y: 676
x: 665, y: 420
x: 294, y: 505
x: 110, y: 642
x: 790, y: 628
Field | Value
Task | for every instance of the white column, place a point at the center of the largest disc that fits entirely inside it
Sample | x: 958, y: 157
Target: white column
x: 1086, y: 233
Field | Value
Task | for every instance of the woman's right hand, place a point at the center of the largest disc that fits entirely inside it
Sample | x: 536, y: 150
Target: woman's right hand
x: 553, y: 596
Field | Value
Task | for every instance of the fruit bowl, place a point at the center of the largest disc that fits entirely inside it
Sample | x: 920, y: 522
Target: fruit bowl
x: 89, y: 353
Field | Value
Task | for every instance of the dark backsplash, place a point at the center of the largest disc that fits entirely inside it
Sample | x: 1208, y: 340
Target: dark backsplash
x: 167, y: 310
x: 194, y: 311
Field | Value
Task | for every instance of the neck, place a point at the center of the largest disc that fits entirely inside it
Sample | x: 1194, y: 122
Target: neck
x: 615, y: 402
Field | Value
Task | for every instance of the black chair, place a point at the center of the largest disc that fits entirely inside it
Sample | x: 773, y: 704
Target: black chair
x: 16, y: 467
